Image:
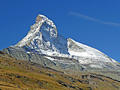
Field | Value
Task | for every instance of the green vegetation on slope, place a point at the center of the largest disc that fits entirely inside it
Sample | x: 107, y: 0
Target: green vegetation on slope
x: 23, y: 75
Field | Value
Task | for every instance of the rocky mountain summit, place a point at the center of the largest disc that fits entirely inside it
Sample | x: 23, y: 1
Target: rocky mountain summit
x: 44, y: 45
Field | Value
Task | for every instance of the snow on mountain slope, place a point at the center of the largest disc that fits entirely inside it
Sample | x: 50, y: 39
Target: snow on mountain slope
x: 43, y: 38
x: 79, y: 50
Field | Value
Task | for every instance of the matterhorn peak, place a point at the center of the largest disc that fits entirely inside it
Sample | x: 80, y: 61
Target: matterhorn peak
x: 44, y: 47
x: 43, y: 28
x: 41, y: 19
x: 43, y: 37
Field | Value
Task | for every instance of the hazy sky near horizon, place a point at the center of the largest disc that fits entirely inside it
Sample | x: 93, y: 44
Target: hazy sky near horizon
x: 93, y: 22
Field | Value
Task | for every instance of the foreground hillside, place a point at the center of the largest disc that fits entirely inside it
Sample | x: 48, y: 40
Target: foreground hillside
x: 24, y: 75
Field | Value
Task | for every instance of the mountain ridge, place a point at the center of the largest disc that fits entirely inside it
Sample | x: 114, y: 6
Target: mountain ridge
x: 43, y: 39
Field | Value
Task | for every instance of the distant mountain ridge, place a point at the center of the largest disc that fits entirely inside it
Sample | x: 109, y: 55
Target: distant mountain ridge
x: 43, y: 41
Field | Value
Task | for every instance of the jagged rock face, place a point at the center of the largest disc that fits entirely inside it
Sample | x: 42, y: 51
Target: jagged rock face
x: 43, y: 39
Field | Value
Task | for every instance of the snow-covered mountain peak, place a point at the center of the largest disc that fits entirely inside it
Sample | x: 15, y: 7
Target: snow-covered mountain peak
x: 43, y: 38
x: 41, y: 18
x: 44, y: 28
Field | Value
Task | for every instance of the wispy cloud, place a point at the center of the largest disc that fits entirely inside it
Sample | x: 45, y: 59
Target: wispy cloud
x: 93, y: 19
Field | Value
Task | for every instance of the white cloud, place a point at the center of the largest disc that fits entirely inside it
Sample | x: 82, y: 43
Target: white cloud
x: 93, y: 19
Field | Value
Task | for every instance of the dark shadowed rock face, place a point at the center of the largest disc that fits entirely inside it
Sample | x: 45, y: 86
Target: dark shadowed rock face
x: 1, y: 52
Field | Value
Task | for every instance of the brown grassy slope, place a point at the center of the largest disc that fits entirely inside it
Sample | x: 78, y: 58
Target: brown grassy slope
x: 23, y: 75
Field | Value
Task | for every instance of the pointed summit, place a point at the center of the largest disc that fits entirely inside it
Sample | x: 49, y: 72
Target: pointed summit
x: 43, y: 37
x: 42, y: 26
x: 41, y: 18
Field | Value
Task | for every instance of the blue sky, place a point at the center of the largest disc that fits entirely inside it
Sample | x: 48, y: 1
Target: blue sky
x: 92, y: 22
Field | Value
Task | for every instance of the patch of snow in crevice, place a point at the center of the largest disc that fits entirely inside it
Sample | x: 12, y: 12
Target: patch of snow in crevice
x: 95, y: 66
x: 52, y: 59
